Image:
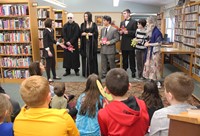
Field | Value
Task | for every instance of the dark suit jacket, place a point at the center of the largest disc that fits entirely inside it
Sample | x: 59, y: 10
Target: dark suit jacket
x: 48, y: 41
x: 113, y: 37
x: 126, y: 38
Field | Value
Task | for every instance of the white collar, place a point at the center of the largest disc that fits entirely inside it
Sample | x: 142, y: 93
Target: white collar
x: 48, y: 29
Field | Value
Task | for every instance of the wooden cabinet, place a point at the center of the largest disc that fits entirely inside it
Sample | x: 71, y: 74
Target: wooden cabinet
x: 18, y: 39
x: 60, y: 20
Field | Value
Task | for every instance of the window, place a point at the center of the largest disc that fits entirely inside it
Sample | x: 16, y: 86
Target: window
x: 170, y: 29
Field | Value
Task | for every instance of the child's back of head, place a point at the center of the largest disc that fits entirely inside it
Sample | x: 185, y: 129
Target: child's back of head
x: 59, y: 88
x: 117, y: 81
x: 179, y: 85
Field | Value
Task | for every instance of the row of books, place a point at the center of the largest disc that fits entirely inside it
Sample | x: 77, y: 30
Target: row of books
x: 178, y: 31
x: 179, y: 18
x: 190, y: 25
x: 191, y: 17
x: 15, y: 49
x: 190, y: 9
x: 189, y: 41
x: 59, y: 32
x: 198, y: 40
x: 40, y: 33
x: 15, y: 61
x: 179, y: 25
x: 185, y: 47
x: 42, y: 13
x: 19, y: 74
x: 58, y: 16
x: 15, y: 23
x: 179, y: 11
x: 191, y: 33
x: 196, y: 71
x: 17, y: 9
x: 178, y: 38
x: 41, y: 23
x: 181, y: 63
x: 197, y: 51
x: 197, y: 61
x: 58, y: 24
x: 15, y: 36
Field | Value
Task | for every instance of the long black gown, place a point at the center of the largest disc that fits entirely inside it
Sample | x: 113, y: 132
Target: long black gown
x: 88, y: 50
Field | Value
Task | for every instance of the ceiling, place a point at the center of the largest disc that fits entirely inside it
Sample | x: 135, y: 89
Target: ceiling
x: 153, y: 2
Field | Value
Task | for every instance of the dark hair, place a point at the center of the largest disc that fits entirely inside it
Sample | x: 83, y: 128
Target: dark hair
x: 59, y: 88
x: 180, y: 85
x: 89, y: 16
x: 92, y: 94
x: 127, y: 11
x: 48, y: 23
x: 117, y: 81
x: 107, y: 18
x: 143, y: 22
x: 34, y: 69
x: 151, y: 95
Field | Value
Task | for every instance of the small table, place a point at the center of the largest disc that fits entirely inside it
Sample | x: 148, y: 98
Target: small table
x: 176, y: 51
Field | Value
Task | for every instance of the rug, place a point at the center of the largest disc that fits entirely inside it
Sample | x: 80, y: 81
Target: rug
x: 76, y: 88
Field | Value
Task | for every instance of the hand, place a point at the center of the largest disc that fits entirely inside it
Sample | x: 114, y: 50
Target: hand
x: 108, y: 42
x: 63, y: 46
x: 146, y: 44
x: 90, y: 34
x: 68, y: 43
x: 101, y: 42
x: 121, y: 32
x: 125, y: 32
x: 84, y: 34
x: 49, y: 53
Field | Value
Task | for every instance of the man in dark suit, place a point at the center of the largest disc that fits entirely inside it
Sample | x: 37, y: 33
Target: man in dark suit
x: 127, y: 30
x: 109, y: 36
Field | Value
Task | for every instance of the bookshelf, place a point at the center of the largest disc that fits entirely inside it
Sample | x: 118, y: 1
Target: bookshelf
x: 18, y: 39
x: 187, y: 36
x: 161, y: 22
x: 60, y: 20
x: 43, y: 12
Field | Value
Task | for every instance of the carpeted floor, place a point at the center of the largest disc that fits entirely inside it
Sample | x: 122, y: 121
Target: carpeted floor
x: 76, y: 88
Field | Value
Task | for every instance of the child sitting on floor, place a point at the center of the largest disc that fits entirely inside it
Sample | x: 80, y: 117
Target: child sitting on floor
x: 6, y: 129
x: 178, y: 88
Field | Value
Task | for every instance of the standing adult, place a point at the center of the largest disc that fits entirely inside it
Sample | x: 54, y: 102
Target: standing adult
x: 89, y: 44
x: 152, y: 66
x: 49, y: 52
x: 109, y: 36
x: 70, y: 33
x: 127, y: 30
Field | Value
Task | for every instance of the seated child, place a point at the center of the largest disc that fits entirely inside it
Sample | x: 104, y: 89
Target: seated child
x: 88, y: 105
x: 178, y: 88
x: 124, y: 116
x: 36, y: 118
x: 151, y: 97
x: 59, y: 101
x: 6, y: 129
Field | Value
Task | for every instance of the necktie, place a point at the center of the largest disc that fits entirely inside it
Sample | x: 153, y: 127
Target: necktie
x: 106, y: 31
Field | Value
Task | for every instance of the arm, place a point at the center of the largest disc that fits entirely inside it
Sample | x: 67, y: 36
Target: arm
x: 64, y: 29
x: 95, y: 32
x: 76, y: 34
x: 131, y: 32
x: 103, y: 127
x: 46, y: 42
x: 63, y: 104
x: 116, y: 37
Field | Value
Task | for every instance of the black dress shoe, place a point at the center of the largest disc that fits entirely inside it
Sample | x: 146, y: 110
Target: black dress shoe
x: 133, y: 75
x: 57, y: 78
x: 102, y: 77
x: 77, y: 74
x: 66, y: 74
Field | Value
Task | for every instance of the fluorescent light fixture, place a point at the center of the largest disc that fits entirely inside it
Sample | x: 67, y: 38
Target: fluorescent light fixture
x: 56, y: 2
x: 115, y: 3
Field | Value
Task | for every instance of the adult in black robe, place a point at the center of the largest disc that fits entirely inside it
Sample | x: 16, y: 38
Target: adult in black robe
x: 70, y: 33
x: 89, y: 44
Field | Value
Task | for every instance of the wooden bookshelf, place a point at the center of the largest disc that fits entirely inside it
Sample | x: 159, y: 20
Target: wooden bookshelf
x: 43, y: 12
x: 187, y: 36
x: 18, y: 39
x: 60, y: 20
x: 161, y: 22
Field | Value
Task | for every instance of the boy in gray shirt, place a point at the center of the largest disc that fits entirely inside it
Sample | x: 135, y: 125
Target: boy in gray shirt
x: 178, y: 88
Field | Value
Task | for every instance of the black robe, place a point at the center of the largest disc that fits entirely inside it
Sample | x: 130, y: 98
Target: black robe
x: 70, y: 33
x: 88, y: 50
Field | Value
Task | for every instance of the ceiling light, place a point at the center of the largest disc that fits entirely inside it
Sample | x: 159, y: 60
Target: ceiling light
x: 115, y: 3
x: 56, y: 2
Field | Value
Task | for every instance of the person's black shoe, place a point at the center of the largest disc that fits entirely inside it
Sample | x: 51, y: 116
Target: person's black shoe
x: 102, y: 77
x: 66, y: 74
x: 77, y: 74
x: 133, y: 75
x: 57, y: 78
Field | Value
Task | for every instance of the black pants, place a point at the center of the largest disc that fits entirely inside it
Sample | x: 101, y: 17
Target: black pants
x: 51, y: 65
x: 129, y: 56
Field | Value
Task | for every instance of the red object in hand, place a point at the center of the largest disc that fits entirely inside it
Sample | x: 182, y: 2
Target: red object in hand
x: 70, y: 48
x: 104, y: 40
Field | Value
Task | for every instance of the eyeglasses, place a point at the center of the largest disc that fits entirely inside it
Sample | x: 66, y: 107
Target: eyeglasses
x: 69, y: 17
